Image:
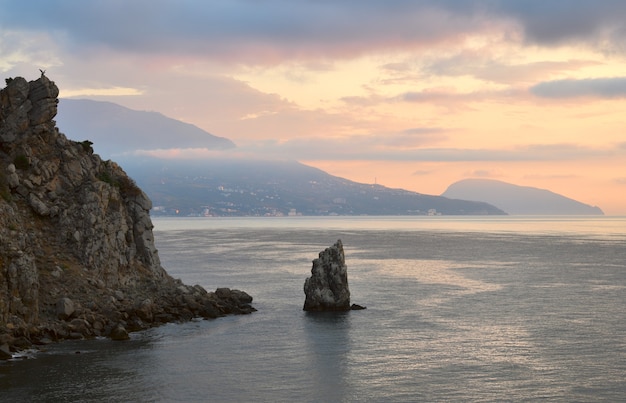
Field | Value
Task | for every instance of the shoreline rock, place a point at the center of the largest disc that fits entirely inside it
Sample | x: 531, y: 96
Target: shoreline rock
x: 77, y: 252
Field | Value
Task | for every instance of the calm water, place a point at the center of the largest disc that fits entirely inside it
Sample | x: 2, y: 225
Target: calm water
x: 459, y: 309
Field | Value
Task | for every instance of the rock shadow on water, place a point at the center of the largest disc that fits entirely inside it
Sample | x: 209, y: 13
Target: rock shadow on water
x: 328, y: 344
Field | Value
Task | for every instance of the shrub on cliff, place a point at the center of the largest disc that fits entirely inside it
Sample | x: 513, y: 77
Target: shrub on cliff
x: 126, y: 185
x: 21, y: 162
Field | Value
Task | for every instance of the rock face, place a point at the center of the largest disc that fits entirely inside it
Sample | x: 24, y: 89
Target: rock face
x: 327, y: 288
x: 77, y: 255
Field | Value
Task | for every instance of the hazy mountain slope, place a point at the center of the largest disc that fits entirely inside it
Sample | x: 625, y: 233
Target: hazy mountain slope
x: 229, y: 186
x: 516, y: 199
x: 115, y: 129
x: 256, y: 187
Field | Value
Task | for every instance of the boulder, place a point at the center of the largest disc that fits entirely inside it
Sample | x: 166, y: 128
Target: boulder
x: 145, y: 310
x: 65, y: 308
x: 5, y: 352
x: 119, y: 332
x: 327, y: 288
x: 13, y: 180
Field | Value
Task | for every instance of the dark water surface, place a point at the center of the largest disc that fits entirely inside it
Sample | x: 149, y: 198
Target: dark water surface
x: 463, y: 309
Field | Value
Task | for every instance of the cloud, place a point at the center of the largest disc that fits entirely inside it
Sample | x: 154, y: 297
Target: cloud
x: 33, y: 51
x: 551, y: 176
x: 447, y: 98
x: 378, y: 148
x: 187, y: 154
x: 244, y: 31
x: 591, y: 87
x: 450, y: 98
x: 408, y: 138
x: 486, y: 66
x: 343, y: 149
x: 482, y: 173
x: 405, y: 139
x: 562, y: 152
x: 271, y: 31
x: 556, y: 22
x: 100, y: 92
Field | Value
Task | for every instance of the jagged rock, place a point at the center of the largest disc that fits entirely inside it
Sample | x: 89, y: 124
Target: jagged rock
x: 327, y: 288
x: 43, y: 97
x: 14, y: 109
x: 76, y: 236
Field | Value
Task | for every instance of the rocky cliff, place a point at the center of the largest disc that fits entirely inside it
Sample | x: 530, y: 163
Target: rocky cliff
x: 77, y: 256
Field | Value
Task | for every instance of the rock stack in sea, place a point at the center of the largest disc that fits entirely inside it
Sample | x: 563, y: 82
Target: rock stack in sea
x: 327, y: 288
x: 77, y: 254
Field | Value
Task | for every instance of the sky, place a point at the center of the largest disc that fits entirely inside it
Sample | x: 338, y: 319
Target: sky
x: 406, y: 93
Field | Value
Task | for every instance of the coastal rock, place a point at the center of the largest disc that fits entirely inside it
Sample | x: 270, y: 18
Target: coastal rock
x: 77, y: 252
x: 327, y: 288
x: 234, y: 301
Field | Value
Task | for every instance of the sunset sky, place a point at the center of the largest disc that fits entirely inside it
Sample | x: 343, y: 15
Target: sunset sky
x: 409, y: 94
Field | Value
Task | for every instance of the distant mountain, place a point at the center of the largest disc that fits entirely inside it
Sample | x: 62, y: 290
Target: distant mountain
x: 237, y: 187
x: 232, y: 186
x: 115, y: 129
x: 516, y: 199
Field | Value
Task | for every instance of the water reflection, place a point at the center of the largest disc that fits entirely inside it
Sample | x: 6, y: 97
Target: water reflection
x: 328, y: 344
x: 612, y: 227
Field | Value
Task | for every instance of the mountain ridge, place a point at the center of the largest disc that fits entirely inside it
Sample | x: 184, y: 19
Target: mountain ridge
x: 257, y: 187
x: 229, y: 187
x: 518, y: 200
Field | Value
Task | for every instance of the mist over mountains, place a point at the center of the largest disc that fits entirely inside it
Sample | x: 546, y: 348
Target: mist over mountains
x: 229, y: 185
x: 522, y: 200
x: 115, y: 129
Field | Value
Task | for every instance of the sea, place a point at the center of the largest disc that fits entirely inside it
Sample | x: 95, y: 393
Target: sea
x: 459, y: 309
